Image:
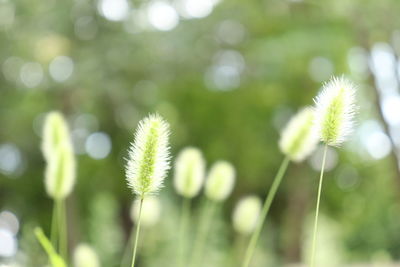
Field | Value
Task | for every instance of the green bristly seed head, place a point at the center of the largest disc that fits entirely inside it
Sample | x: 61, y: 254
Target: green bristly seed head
x: 148, y: 160
x: 335, y: 108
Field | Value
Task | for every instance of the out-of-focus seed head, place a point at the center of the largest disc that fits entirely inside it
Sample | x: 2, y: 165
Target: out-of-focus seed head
x: 189, y: 172
x: 220, y: 181
x: 58, y: 152
x: 85, y: 256
x: 299, y: 138
x: 55, y: 134
x: 60, y: 173
x: 246, y: 214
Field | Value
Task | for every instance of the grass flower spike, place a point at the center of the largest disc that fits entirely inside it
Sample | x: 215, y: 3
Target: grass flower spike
x: 58, y: 153
x: 189, y: 172
x: 246, y: 214
x: 85, y: 256
x: 59, y: 175
x: 299, y: 138
x: 220, y: 181
x: 148, y: 161
x: 55, y: 134
x: 335, y: 108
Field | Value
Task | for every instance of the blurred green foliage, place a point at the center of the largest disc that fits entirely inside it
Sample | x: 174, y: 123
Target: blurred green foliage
x: 119, y: 76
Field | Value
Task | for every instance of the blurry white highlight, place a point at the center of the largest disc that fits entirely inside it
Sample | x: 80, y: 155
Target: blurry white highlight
x: 85, y: 256
x: 162, y: 15
x: 61, y: 68
x: 8, y: 243
x: 198, y: 8
x: 114, y: 10
x: 151, y: 211
x: 98, y: 145
x: 10, y: 159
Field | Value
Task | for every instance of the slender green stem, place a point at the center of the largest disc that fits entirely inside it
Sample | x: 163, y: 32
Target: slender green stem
x: 62, y: 228
x: 53, y: 235
x: 55, y: 259
x: 204, y: 228
x: 267, y: 204
x: 137, y: 232
x: 185, y: 217
x: 314, y: 240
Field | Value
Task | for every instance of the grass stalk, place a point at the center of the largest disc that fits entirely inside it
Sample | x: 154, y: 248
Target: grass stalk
x: 202, y: 233
x: 185, y: 217
x: 62, y: 229
x: 267, y: 204
x: 314, y: 239
x: 54, y: 226
x: 137, y: 233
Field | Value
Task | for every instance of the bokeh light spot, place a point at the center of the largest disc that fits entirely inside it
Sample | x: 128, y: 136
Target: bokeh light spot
x: 61, y: 68
x: 31, y: 74
x: 10, y: 159
x: 377, y: 144
x: 9, y: 221
x: 114, y: 10
x: 162, y: 16
x: 98, y: 145
x: 8, y: 243
x: 198, y: 8
x: 391, y: 109
x: 331, y: 158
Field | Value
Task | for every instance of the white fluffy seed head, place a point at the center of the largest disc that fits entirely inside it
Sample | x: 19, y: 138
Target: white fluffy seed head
x: 299, y: 138
x: 245, y: 215
x: 335, y: 108
x: 85, y: 256
x: 189, y: 172
x: 149, y: 156
x: 151, y: 211
x: 220, y: 181
x: 60, y: 173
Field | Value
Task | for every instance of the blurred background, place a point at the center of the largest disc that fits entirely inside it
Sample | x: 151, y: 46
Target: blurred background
x: 227, y: 75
